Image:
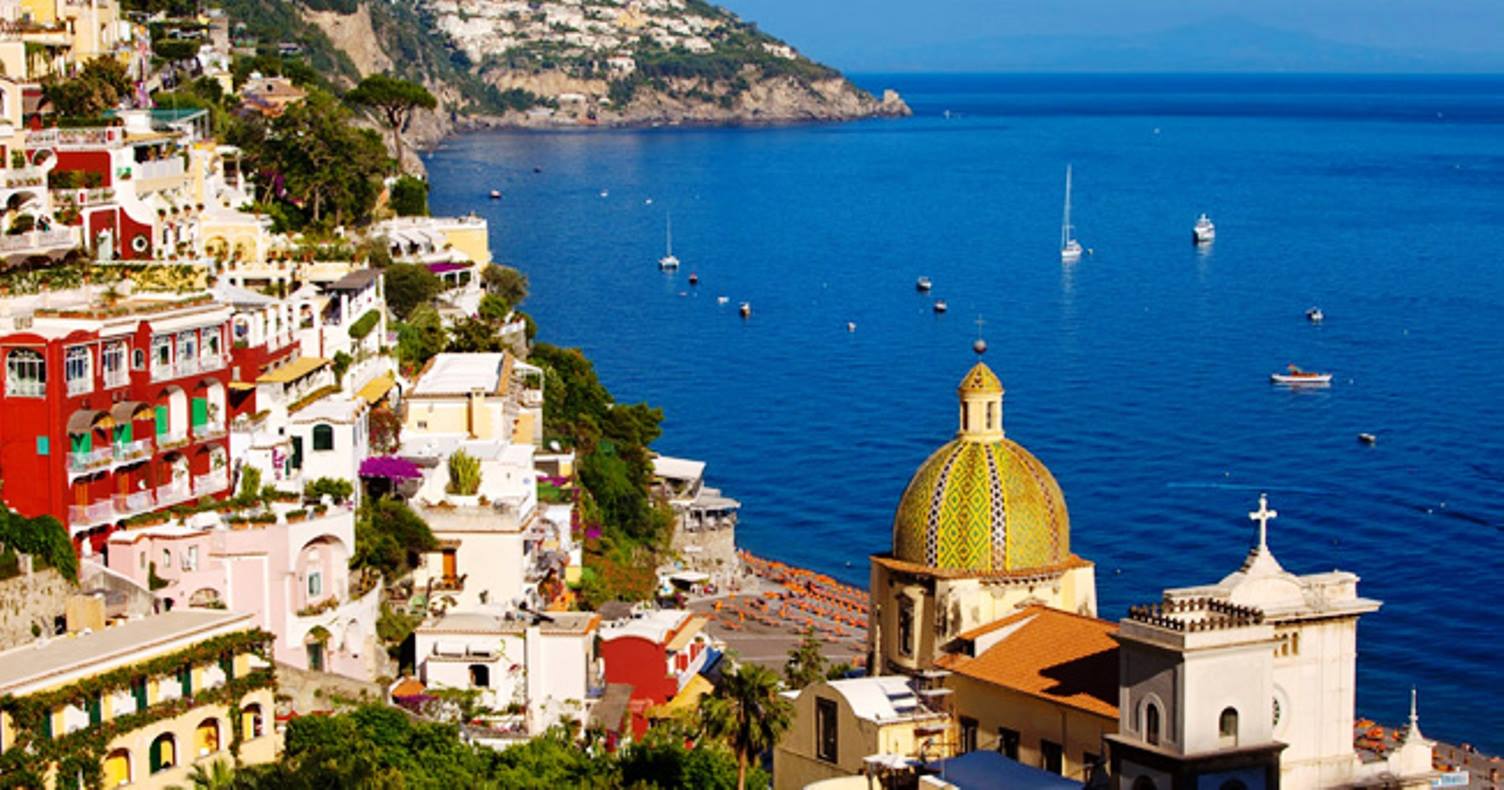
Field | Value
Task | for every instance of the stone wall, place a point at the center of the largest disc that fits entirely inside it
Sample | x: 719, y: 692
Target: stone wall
x: 715, y: 549
x: 36, y: 598
x: 302, y: 691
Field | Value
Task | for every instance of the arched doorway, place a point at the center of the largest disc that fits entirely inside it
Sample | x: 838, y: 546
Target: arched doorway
x: 251, y: 723
x: 117, y: 768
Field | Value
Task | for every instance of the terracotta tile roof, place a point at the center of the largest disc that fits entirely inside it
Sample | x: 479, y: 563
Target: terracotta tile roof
x: 1058, y: 656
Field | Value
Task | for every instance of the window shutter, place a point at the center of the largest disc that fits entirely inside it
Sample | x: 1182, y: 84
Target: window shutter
x: 161, y: 420
x: 200, y: 412
x: 138, y: 690
x: 96, y: 712
x: 185, y: 676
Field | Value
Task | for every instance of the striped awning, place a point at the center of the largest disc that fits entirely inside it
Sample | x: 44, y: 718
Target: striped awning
x: 85, y: 420
x: 129, y: 410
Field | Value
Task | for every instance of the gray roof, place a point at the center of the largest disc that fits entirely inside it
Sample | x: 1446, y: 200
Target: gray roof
x: 355, y: 281
x: 118, y: 645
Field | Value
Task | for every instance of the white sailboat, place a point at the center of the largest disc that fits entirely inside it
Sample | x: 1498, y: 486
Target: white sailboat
x: 668, y: 261
x: 1070, y: 249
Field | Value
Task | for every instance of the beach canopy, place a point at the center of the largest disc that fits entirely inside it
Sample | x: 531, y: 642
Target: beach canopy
x: 389, y: 466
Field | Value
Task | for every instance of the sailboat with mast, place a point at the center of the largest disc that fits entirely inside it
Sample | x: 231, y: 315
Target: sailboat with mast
x: 1070, y: 249
x: 668, y: 262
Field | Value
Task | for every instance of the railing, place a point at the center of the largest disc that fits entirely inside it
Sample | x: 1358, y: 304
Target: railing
x: 173, y: 493
x: 119, y: 378
x: 162, y: 168
x: 184, y: 367
x: 25, y: 388
x: 91, y: 459
x: 207, y: 363
x: 24, y: 177
x: 89, y: 515
x: 172, y: 439
x: 90, y: 196
x: 208, y: 430
x: 131, y: 504
x: 80, y: 386
x: 130, y: 451
x: 211, y: 483
x: 39, y: 240
x: 187, y: 367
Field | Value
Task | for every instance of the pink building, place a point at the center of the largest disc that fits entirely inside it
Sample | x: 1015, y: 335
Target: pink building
x: 293, y: 576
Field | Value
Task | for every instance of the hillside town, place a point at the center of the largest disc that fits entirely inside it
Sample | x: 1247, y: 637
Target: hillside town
x: 290, y: 479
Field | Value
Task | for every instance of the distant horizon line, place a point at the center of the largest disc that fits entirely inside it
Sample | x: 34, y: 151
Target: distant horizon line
x: 1168, y: 73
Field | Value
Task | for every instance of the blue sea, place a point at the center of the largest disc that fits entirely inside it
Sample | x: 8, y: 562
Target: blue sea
x: 1139, y: 375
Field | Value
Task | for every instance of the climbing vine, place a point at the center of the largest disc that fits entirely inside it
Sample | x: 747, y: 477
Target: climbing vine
x: 81, y: 753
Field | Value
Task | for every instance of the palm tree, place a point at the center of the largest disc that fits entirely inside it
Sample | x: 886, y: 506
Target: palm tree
x: 747, y: 712
x: 218, y: 775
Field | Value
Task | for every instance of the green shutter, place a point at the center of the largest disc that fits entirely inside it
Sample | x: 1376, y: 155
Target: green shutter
x: 185, y: 677
x: 138, y: 690
x: 96, y: 712
x: 124, y: 433
x: 227, y: 664
x: 200, y: 411
x: 161, y: 420
x: 155, y: 756
x: 47, y: 725
x: 83, y: 442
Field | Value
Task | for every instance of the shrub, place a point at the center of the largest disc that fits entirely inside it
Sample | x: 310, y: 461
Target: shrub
x: 336, y: 488
x: 364, y: 325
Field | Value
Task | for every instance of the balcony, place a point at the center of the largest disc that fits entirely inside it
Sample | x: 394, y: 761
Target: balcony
x: 211, y: 483
x: 184, y: 367
x: 208, y: 431
x: 131, y: 504
x: 84, y: 462
x: 22, y: 177
x: 87, y: 516
x: 173, y: 493
x: 126, y: 452
x: 208, y: 363
x: 39, y: 241
x: 172, y: 439
x: 80, y: 386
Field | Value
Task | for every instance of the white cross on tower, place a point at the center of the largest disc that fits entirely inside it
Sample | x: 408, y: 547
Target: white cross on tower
x: 1262, y: 516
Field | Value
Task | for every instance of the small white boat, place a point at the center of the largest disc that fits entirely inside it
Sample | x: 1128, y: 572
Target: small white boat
x: 1367, y: 438
x: 605, y: 193
x: 923, y: 285
x: 496, y: 194
x: 941, y: 306
x: 745, y: 309
x: 1205, y: 232
x: 850, y: 326
x: 1070, y: 248
x: 722, y: 299
x: 668, y: 262
x: 1296, y: 376
x: 1315, y: 316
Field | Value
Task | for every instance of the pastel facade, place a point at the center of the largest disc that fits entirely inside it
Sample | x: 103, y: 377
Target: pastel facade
x: 838, y: 724
x: 292, y: 576
x: 236, y: 705
x: 657, y: 653
x: 477, y: 396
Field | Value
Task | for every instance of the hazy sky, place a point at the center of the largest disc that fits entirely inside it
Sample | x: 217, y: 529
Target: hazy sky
x: 866, y: 34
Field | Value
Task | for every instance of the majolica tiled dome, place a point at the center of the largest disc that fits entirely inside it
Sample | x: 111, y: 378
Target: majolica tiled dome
x: 982, y: 502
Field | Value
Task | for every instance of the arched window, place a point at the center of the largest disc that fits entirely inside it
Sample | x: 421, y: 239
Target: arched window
x: 251, y: 723
x: 991, y: 415
x: 1151, y: 724
x: 206, y: 737
x: 480, y: 676
x: 1227, y: 726
x: 164, y: 753
x: 117, y: 768
x: 25, y: 374
x: 905, y: 626
x: 323, y: 437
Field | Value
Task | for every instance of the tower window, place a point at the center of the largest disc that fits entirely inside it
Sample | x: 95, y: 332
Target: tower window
x: 991, y: 415
x: 1227, y: 726
x: 1151, y: 724
x: 905, y: 626
x: 826, y: 738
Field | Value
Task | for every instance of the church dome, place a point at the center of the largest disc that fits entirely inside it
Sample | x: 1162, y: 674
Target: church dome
x: 982, y: 502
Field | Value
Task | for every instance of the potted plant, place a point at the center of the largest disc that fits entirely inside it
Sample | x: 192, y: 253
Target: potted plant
x: 464, y: 479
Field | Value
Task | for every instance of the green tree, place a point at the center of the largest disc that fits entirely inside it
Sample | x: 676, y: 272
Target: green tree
x: 387, y: 534
x: 420, y: 338
x: 217, y: 775
x: 474, y: 336
x: 324, y: 165
x: 395, y: 100
x: 747, y: 713
x: 409, y: 285
x: 100, y: 85
x: 505, y: 282
x: 806, y: 663
x: 493, y: 309
x: 410, y: 197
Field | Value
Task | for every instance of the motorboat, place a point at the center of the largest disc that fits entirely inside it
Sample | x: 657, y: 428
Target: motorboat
x: 745, y: 309
x: 923, y: 285
x: 1294, y: 375
x: 1205, y: 232
x: 1367, y: 438
x: 605, y: 193
x: 496, y: 194
x: 941, y: 306
x: 1070, y: 248
x: 1315, y: 316
x: 694, y: 279
x: 850, y: 326
x: 722, y: 299
x: 668, y: 262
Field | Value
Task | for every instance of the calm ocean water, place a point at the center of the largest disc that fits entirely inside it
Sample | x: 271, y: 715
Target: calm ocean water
x: 1139, y: 375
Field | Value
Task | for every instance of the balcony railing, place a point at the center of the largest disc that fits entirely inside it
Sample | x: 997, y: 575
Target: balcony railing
x: 211, y: 483
x: 184, y: 367
x: 91, y: 515
x: 39, y: 240
x: 80, y: 386
x: 211, y: 363
x: 187, y: 367
x: 173, y: 493
x: 131, y: 504
x: 83, y: 461
x: 174, y: 438
x: 208, y: 430
x: 131, y: 451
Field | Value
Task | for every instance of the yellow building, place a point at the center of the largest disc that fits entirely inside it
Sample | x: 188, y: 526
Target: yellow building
x: 189, y: 681
x: 981, y: 531
x: 840, y: 727
x: 1040, y: 687
x: 477, y: 396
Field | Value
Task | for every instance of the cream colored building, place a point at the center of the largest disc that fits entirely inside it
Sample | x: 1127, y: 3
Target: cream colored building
x: 839, y: 724
x: 164, y: 751
x: 981, y: 532
x: 1040, y: 687
x: 477, y: 396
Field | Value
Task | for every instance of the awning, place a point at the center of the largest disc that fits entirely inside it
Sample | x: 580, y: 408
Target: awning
x: 205, y: 318
x: 293, y: 370
x: 126, y: 411
x: 242, y: 386
x: 688, y: 697
x: 443, y: 268
x: 85, y: 420
x: 376, y: 389
x: 690, y: 577
x: 390, y: 467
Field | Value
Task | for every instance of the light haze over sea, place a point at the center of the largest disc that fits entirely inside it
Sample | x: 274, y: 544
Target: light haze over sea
x: 1139, y: 375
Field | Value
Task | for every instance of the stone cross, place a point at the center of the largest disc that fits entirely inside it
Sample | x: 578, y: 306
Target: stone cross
x: 1263, y: 515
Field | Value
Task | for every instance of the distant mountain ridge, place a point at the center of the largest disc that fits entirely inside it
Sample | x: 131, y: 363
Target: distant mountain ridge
x: 1224, y: 44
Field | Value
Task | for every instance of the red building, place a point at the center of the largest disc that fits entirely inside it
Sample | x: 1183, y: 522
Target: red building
x: 657, y: 654
x: 110, y: 412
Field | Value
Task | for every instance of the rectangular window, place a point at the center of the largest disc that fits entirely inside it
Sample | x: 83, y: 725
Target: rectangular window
x: 96, y: 711
x: 1007, y: 742
x: 1052, y: 755
x: 199, y: 412
x: 138, y: 690
x: 190, y: 559
x: 25, y: 374
x: 825, y: 729
x: 316, y: 657
x: 211, y: 343
x: 78, y: 369
x: 187, y: 345
x: 905, y: 626
x: 968, y: 734
x: 185, y: 677
x: 161, y: 351
x: 315, y: 584
x: 112, y: 361
x: 297, y: 452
